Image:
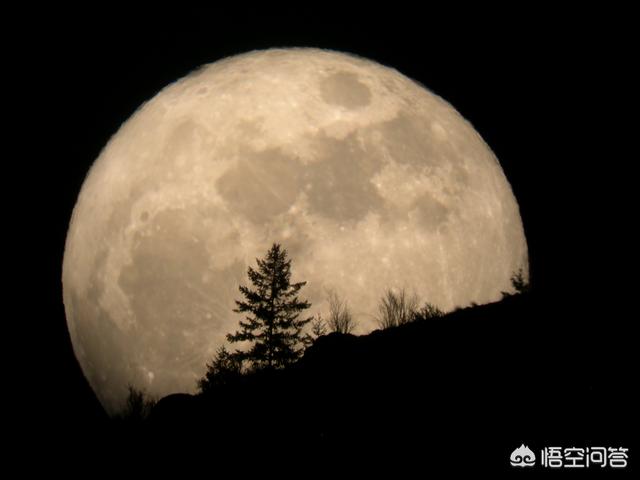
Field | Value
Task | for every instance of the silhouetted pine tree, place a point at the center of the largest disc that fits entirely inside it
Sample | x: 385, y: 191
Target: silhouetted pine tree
x: 223, y: 369
x: 272, y: 326
x: 519, y: 284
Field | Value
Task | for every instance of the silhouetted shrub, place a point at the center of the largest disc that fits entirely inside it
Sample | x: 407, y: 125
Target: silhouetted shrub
x: 340, y: 318
x: 223, y: 369
x: 428, y: 311
x: 318, y: 329
x: 397, y: 309
x: 137, y: 406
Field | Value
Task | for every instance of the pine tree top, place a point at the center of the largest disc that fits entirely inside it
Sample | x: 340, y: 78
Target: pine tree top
x: 272, y: 323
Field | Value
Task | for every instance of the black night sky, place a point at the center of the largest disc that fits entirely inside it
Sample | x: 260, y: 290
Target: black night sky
x: 545, y: 91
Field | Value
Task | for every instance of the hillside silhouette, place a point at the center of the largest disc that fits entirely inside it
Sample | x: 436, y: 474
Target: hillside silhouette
x: 460, y: 389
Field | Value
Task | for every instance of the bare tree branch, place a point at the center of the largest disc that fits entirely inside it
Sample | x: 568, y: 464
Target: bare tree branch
x: 340, y: 318
x: 397, y: 308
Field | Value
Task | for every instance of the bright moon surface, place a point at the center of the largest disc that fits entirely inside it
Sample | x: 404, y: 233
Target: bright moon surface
x: 368, y: 180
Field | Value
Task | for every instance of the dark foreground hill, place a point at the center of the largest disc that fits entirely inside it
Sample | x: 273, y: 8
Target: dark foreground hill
x: 462, y: 390
x: 459, y: 392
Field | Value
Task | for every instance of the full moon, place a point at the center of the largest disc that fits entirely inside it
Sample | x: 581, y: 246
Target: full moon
x: 369, y: 181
